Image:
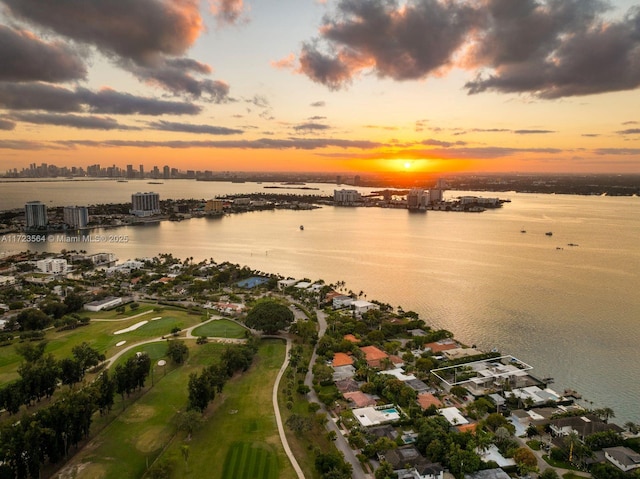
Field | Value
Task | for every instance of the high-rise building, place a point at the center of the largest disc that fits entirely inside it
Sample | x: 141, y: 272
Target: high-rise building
x: 141, y: 171
x: 36, y: 215
x: 417, y: 199
x: 346, y: 197
x: 145, y: 204
x: 166, y: 172
x: 76, y: 216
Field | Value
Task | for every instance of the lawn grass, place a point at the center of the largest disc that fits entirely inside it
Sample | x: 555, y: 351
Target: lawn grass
x: 239, y: 438
x: 137, y: 436
x: 99, y: 334
x: 221, y: 328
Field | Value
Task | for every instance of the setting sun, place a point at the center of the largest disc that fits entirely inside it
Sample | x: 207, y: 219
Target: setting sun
x: 407, y: 164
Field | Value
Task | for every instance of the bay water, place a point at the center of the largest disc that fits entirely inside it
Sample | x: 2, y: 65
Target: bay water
x: 566, y: 303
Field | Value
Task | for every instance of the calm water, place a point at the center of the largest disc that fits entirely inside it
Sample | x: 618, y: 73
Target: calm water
x: 573, y: 313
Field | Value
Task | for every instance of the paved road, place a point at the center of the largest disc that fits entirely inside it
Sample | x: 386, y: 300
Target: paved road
x: 341, y: 442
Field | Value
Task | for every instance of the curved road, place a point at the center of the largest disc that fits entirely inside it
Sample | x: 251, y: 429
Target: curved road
x: 341, y: 442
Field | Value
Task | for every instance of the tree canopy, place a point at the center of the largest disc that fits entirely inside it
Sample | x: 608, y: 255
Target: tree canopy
x: 269, y: 316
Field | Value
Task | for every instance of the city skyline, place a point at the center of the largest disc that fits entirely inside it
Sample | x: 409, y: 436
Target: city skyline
x: 359, y: 86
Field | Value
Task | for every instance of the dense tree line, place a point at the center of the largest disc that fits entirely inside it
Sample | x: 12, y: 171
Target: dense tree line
x: 40, y: 373
x: 46, y: 436
x: 204, y: 386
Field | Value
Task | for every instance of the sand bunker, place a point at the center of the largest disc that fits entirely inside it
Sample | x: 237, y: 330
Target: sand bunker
x: 120, y: 343
x: 155, y: 319
x: 132, y: 328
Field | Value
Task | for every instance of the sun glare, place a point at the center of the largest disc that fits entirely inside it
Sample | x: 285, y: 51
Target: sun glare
x: 407, y: 165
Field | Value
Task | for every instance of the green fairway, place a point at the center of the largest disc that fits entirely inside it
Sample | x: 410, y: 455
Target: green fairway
x: 220, y: 328
x: 138, y: 435
x: 239, y: 438
x: 250, y: 461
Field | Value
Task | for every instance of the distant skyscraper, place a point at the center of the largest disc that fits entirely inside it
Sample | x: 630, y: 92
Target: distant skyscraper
x: 145, y: 204
x: 166, y: 172
x: 141, y: 171
x: 36, y: 214
x: 76, y: 216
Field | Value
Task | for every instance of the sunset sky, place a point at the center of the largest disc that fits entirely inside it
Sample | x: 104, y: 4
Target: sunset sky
x: 310, y: 85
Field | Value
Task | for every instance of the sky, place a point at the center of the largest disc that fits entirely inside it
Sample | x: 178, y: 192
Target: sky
x: 504, y: 86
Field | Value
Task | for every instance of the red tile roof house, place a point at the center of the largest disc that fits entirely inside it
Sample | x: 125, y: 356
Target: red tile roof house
x: 373, y: 356
x: 341, y: 359
x: 359, y: 399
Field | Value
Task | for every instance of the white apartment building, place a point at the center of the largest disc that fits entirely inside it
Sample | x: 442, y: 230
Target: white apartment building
x: 346, y: 197
x: 145, y: 204
x: 52, y: 265
x: 76, y: 216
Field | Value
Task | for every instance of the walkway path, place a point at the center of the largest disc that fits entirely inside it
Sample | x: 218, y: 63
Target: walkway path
x: 276, y: 409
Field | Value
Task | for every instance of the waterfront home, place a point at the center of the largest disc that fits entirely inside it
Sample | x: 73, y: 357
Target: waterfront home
x: 623, y: 458
x: 583, y: 426
x: 342, y: 301
x: 360, y: 307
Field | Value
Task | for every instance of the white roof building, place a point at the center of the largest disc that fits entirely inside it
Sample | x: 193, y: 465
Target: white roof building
x: 453, y: 415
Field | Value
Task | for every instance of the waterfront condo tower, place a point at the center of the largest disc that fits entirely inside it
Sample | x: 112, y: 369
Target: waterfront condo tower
x: 36, y: 215
x: 145, y: 204
x: 76, y: 216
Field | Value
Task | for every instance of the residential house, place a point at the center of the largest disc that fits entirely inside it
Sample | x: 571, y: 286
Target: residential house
x: 488, y: 474
x: 623, y: 458
x: 408, y: 463
x: 583, y: 426
x: 374, y: 356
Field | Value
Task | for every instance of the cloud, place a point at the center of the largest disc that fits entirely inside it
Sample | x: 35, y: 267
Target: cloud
x: 318, y: 104
x: 189, y: 128
x: 445, y: 144
x: 227, y: 11
x: 40, y: 96
x: 618, y: 151
x: 259, y: 144
x: 140, y: 30
x: 591, y: 135
x: 402, y: 42
x: 491, y: 130
x: 629, y: 131
x: 7, y: 125
x: 177, y: 76
x: 28, y: 145
x: 286, y: 63
x: 532, y: 132
x: 547, y: 48
x: 317, y: 117
x: 73, y: 121
x: 310, y: 127
x: 24, y: 57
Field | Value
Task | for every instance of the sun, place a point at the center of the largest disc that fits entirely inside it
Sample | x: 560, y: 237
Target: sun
x: 407, y: 165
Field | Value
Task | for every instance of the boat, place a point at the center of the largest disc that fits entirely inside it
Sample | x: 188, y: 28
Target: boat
x: 523, y: 231
x: 301, y: 227
x: 549, y: 233
x: 154, y: 182
x: 122, y: 181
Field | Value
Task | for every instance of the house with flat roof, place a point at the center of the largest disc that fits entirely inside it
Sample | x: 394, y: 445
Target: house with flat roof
x: 583, y: 426
x: 360, y: 307
x: 370, y: 416
x: 106, y: 303
x: 453, y: 415
x: 496, y: 473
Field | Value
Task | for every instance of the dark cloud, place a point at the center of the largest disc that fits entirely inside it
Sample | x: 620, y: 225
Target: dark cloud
x: 7, y: 125
x: 310, y: 126
x: 618, y: 151
x: 40, y: 96
x: 227, y: 11
x: 26, y: 58
x: 315, y: 118
x: 630, y: 131
x: 591, y: 135
x: 532, y: 132
x: 189, y: 128
x: 259, y: 144
x: 576, y: 52
x: 140, y: 30
x: 403, y: 42
x: 491, y: 130
x: 445, y: 144
x: 630, y: 123
x: 318, y: 104
x: 548, y: 48
x: 28, y: 145
x: 73, y: 121
x: 177, y: 76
